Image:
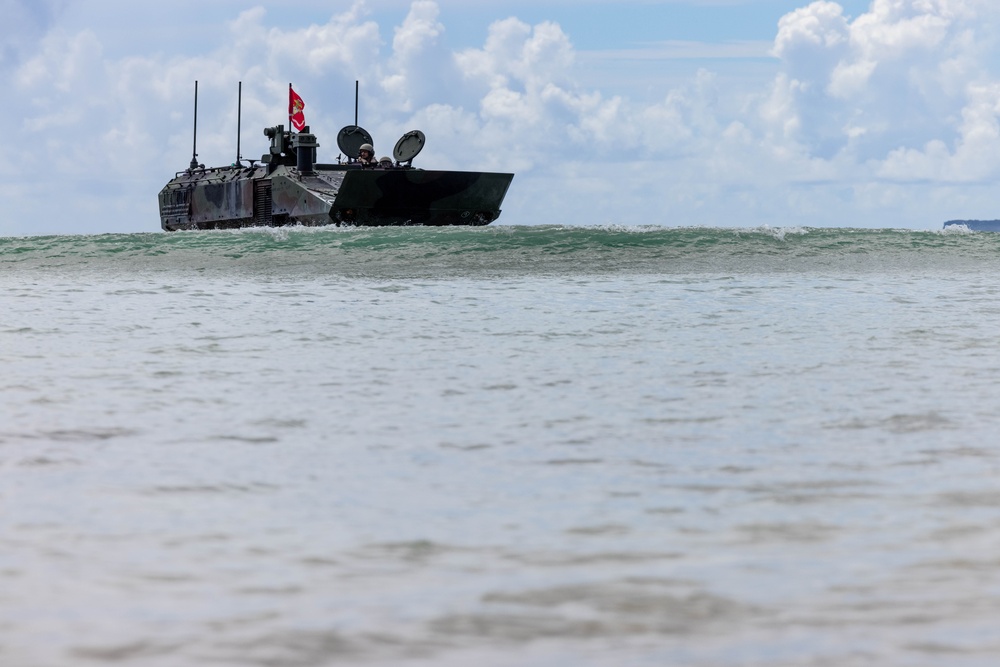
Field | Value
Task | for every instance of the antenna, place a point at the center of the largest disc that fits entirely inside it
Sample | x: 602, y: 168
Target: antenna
x: 355, y: 103
x: 239, y: 115
x: 194, y: 145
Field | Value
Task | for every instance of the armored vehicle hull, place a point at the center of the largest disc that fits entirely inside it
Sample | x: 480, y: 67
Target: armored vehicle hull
x: 288, y: 188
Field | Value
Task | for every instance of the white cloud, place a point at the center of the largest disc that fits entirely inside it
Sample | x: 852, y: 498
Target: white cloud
x: 419, y: 70
x: 893, y: 83
x: 820, y: 26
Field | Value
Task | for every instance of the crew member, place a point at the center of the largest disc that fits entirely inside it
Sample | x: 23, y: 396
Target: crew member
x: 366, y: 155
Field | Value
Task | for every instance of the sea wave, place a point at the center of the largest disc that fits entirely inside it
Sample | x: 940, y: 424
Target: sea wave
x: 429, y: 252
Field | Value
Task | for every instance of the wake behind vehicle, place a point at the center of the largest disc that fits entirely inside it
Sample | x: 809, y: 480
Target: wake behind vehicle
x: 289, y: 187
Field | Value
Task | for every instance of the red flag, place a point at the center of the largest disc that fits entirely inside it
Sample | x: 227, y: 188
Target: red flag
x: 295, y: 106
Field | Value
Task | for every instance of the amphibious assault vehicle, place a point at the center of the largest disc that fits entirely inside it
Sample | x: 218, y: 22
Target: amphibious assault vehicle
x: 288, y: 187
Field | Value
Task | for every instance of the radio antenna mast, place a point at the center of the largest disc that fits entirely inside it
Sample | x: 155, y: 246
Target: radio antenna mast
x: 239, y: 117
x: 194, y: 144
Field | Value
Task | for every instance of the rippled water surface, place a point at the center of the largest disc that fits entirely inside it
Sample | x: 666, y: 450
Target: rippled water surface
x: 501, y: 446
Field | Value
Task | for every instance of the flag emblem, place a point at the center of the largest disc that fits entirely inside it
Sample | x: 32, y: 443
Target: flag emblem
x: 295, y: 106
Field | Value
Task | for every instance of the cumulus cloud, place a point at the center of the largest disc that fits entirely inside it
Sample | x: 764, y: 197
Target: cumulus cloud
x: 520, y: 73
x: 896, y: 78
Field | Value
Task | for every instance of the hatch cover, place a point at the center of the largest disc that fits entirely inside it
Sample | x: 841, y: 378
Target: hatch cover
x: 408, y: 146
x: 351, y: 138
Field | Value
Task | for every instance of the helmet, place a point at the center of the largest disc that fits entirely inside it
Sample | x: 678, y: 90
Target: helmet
x: 367, y: 147
x: 385, y: 161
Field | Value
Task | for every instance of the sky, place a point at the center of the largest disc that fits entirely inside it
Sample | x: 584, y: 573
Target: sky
x: 722, y: 113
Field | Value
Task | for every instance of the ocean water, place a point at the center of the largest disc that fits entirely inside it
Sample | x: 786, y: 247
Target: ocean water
x: 501, y: 446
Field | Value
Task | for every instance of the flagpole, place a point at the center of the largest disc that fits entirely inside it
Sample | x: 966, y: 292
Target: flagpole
x: 289, y: 107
